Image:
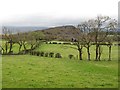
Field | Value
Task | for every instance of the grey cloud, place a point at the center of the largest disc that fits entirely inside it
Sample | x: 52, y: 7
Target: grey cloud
x: 43, y: 21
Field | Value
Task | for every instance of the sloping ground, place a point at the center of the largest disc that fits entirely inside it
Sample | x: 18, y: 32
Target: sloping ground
x: 57, y: 33
x: 42, y: 72
x: 60, y: 33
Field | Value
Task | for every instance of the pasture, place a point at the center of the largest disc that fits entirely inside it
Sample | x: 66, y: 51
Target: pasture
x: 27, y: 71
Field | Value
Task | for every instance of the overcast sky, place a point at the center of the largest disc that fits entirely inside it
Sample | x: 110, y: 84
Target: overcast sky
x: 54, y: 12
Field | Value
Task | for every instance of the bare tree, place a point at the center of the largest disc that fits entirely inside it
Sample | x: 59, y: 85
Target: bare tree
x: 34, y: 39
x: 18, y: 38
x: 2, y: 50
x: 100, y: 27
x: 78, y: 41
x: 24, y: 40
x: 110, y: 39
x: 5, y: 32
x: 11, y: 38
x: 86, y: 36
x: 8, y: 37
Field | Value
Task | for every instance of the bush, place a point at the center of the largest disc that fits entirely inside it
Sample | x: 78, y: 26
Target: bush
x: 51, y: 54
x: 117, y: 44
x: 41, y: 53
x: 71, y: 56
x: 58, y: 55
x: 38, y: 53
x: 46, y: 54
x: 54, y: 42
x: 59, y: 43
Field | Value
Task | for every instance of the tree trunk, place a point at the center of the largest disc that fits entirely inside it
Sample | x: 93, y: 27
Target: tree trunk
x: 96, y: 42
x: 20, y: 48
x: 80, y: 51
x: 110, y: 53
x: 97, y: 47
x: 80, y: 54
x: 10, y: 47
x: 88, y: 51
x: 99, y: 52
x: 24, y: 47
x: 2, y: 50
x: 6, y: 47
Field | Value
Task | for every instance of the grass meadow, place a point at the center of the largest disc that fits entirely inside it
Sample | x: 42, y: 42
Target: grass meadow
x: 27, y: 71
x: 43, y: 72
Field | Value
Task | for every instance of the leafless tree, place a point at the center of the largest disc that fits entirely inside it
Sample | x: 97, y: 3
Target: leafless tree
x: 86, y: 36
x: 8, y: 37
x: 100, y: 27
x: 78, y: 41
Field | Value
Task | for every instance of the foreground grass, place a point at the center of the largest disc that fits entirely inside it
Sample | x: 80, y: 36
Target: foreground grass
x: 41, y: 72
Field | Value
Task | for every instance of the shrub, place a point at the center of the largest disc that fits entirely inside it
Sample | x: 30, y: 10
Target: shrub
x: 54, y: 42
x: 59, y: 43
x: 41, y: 53
x: 117, y: 44
x: 38, y: 53
x: 71, y: 56
x: 51, y: 54
x: 58, y: 55
x: 46, y: 54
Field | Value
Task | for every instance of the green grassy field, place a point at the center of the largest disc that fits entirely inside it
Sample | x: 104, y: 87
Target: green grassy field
x: 26, y: 71
x: 42, y: 72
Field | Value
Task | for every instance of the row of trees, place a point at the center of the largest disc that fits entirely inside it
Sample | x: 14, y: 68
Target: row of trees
x: 29, y: 40
x: 96, y: 31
